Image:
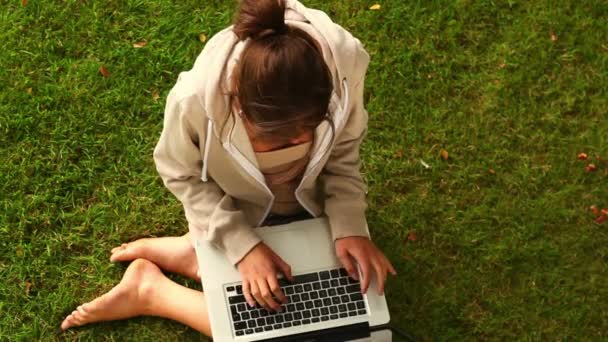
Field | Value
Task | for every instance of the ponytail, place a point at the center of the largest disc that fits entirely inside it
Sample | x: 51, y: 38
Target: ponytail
x: 259, y: 18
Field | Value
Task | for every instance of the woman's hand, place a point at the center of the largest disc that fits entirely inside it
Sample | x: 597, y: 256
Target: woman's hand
x: 259, y: 270
x: 368, y: 256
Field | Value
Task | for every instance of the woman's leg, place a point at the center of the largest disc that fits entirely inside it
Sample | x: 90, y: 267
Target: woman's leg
x: 145, y: 291
x: 172, y: 254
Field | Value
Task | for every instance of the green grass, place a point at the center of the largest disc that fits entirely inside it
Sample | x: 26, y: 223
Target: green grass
x: 505, y: 246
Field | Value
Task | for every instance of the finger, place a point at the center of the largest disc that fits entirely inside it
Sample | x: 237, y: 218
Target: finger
x: 275, y: 288
x: 349, y: 266
x: 257, y: 294
x: 247, y: 293
x: 283, y: 267
x: 365, y: 270
x: 266, y: 295
x: 391, y: 268
x: 380, y: 275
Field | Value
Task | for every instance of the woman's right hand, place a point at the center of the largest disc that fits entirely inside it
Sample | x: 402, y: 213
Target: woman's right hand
x: 259, y: 270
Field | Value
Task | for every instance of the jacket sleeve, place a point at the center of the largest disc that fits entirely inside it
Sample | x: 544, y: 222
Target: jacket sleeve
x: 343, y: 186
x: 211, y: 214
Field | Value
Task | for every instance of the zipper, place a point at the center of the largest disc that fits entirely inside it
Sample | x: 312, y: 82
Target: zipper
x: 324, y: 144
x: 252, y: 171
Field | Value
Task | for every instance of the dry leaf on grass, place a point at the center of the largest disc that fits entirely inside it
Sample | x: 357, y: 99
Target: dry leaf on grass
x: 582, y: 156
x: 28, y: 287
x: 399, y: 154
x: 595, y: 210
x: 601, y: 219
x: 591, y: 168
x: 375, y: 7
x: 411, y: 236
x: 202, y: 37
x: 104, y: 72
x: 29, y: 91
x: 139, y: 45
x: 553, y: 37
x: 491, y: 171
x: 444, y: 155
x: 155, y: 95
x: 23, y: 3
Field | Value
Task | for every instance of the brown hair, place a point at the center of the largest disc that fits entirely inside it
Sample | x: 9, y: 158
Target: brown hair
x: 281, y: 82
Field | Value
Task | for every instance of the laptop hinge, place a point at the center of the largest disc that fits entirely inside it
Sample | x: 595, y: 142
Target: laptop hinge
x: 339, y: 334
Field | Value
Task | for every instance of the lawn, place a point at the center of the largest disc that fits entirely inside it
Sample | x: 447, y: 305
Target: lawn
x: 493, y: 239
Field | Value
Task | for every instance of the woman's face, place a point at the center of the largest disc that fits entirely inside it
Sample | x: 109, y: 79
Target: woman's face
x: 268, y: 144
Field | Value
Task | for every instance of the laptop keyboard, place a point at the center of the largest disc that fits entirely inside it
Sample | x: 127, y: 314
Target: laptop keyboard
x: 311, y: 298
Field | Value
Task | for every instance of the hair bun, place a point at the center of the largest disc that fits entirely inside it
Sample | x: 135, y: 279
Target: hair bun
x: 259, y: 18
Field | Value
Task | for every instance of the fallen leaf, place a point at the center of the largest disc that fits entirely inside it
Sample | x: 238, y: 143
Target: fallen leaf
x: 502, y: 65
x: 604, y: 212
x: 591, y: 168
x: 28, y: 287
x: 594, y: 210
x: 582, y: 156
x: 202, y: 37
x: 492, y: 171
x: 411, y: 236
x: 139, y: 45
x: 601, y: 219
x: 155, y: 95
x: 553, y: 36
x: 19, y: 251
x: 375, y: 7
x: 399, y: 154
x: 444, y: 154
x: 104, y: 72
x: 29, y: 91
x: 23, y: 3
x: 426, y: 166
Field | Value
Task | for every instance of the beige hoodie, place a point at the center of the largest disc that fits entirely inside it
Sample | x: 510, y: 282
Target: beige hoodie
x: 206, y: 160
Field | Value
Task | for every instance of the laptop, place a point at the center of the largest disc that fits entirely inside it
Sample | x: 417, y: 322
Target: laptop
x: 324, y: 304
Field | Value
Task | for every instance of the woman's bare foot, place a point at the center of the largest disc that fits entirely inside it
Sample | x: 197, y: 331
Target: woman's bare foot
x: 172, y: 254
x: 129, y: 298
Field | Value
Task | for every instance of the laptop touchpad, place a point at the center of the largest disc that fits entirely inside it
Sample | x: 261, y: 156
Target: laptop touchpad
x: 293, y: 246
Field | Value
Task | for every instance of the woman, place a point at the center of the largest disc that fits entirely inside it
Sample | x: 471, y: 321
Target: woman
x: 265, y: 129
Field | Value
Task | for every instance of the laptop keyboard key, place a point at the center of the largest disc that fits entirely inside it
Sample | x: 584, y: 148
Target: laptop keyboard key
x: 233, y: 310
x: 344, y: 299
x: 309, y: 305
x: 300, y: 306
x: 335, y: 300
x: 306, y: 314
x: 343, y: 272
x: 333, y: 316
x: 356, y: 296
x: 335, y: 283
x: 289, y: 290
x: 352, y: 313
x: 324, y: 275
x: 269, y: 320
x: 268, y: 328
x: 239, y: 289
x: 315, y: 319
x: 318, y: 303
x: 245, y: 315
x: 297, y: 315
x: 277, y: 326
x: 288, y: 317
x: 236, y: 299
x: 261, y: 322
x: 240, y: 333
x: 251, y: 323
x: 240, y: 325
x: 324, y: 318
x: 325, y: 284
x: 343, y: 315
x: 333, y: 309
x: 353, y: 288
x: 249, y: 331
x: 323, y: 293
x: 360, y: 305
x: 299, y: 289
x: 255, y: 314
x: 341, y: 290
x: 306, y: 278
x: 259, y: 329
x: 305, y: 321
x: 236, y: 317
x: 296, y: 323
x: 305, y: 296
x: 307, y: 287
x: 335, y: 273
x: 314, y: 295
x: 287, y: 325
x: 351, y: 306
x: 324, y: 311
x: 315, y: 312
x: 316, y: 286
x: 342, y: 307
x: 343, y: 281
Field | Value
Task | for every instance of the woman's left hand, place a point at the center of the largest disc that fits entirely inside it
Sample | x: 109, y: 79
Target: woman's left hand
x: 369, y: 258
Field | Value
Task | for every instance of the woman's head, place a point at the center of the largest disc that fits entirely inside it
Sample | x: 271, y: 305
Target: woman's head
x: 281, y: 83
